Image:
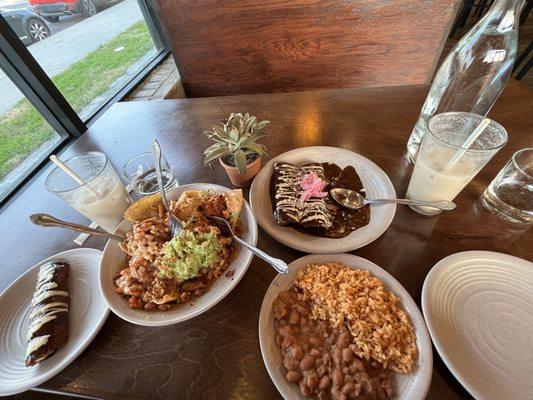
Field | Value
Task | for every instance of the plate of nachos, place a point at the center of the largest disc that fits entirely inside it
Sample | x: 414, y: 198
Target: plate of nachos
x: 153, y: 279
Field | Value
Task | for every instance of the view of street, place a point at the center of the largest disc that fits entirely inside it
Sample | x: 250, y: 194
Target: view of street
x: 64, y: 21
x: 83, y: 36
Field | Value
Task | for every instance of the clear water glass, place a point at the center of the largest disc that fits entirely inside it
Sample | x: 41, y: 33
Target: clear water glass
x: 103, y: 198
x: 444, y: 165
x: 510, y: 194
x: 142, y: 176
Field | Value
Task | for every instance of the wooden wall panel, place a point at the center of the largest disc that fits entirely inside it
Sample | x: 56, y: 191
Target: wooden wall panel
x: 224, y: 47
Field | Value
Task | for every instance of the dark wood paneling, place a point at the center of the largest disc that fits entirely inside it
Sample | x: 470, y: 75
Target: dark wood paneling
x: 256, y: 46
x: 216, y: 355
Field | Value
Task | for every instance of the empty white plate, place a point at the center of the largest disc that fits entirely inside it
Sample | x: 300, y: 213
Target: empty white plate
x: 375, y: 181
x: 478, y: 307
x: 413, y: 386
x: 88, y: 312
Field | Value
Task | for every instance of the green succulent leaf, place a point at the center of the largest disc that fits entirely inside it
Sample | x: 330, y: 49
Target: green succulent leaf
x: 256, y: 148
x: 216, y: 153
x: 240, y: 161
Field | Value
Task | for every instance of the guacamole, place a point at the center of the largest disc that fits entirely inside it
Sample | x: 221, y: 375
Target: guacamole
x: 187, y: 253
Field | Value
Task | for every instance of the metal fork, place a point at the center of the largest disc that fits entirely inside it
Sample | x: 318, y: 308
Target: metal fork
x: 174, y: 224
x: 279, y: 265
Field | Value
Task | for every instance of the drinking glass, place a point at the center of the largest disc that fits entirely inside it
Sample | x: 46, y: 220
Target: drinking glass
x: 510, y: 194
x: 141, y: 173
x: 102, y: 198
x: 444, y: 165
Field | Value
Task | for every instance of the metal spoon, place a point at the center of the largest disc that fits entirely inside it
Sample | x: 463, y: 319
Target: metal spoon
x: 352, y: 199
x: 279, y: 265
x: 48, y: 220
x: 174, y: 224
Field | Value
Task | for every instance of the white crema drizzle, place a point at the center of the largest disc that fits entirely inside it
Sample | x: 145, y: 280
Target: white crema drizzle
x: 42, y: 313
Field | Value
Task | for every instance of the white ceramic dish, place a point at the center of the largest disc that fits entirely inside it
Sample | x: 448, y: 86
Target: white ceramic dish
x: 113, y: 257
x: 413, y: 386
x: 479, y: 310
x: 375, y: 181
x: 88, y: 312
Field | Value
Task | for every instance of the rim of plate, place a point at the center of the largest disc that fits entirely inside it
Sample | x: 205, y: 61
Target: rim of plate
x: 171, y: 320
x: 409, y: 305
x: 437, y: 269
x: 290, y: 237
x: 93, y: 331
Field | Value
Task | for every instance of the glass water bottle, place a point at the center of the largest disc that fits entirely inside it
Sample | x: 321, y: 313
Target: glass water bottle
x: 475, y: 72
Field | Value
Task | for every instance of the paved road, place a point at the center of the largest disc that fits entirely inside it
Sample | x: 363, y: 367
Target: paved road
x: 64, y: 21
x: 12, y: 4
x: 61, y: 50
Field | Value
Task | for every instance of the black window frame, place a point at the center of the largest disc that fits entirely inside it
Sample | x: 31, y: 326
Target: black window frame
x: 25, y: 72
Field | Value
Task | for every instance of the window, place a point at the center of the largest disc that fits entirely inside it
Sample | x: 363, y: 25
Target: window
x: 63, y: 63
x: 26, y: 138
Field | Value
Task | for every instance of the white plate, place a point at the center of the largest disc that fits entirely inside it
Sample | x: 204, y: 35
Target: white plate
x: 113, y: 258
x: 88, y: 312
x: 375, y: 181
x: 479, y: 310
x: 413, y: 386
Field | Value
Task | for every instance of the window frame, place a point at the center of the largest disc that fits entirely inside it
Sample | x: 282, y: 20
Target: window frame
x: 25, y: 72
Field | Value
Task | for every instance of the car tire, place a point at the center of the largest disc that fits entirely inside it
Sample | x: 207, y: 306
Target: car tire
x: 54, y: 18
x: 37, y: 30
x: 88, y: 8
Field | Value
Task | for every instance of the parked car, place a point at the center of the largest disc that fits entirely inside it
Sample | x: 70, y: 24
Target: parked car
x: 29, y: 26
x: 51, y: 10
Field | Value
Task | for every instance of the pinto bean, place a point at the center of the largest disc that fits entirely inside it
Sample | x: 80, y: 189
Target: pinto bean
x: 287, y: 342
x: 284, y: 296
x: 301, y: 309
x: 312, y: 380
x: 306, y: 390
x: 290, y: 363
x: 344, y: 340
x: 315, y: 341
x: 338, y: 395
x: 357, y: 389
x: 307, y: 362
x: 321, y: 371
x: 348, y: 388
x: 294, y: 317
x: 284, y: 330
x: 324, y: 382
x: 338, y: 377
x: 337, y: 355
x: 297, y: 352
x: 294, y: 376
x: 347, y: 355
x: 315, y: 353
x: 323, y: 396
x: 357, y: 365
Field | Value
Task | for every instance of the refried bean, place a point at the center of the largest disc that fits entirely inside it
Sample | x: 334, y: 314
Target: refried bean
x: 320, y: 359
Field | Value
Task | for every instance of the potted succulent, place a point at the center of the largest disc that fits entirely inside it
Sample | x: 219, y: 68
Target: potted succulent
x: 236, y: 147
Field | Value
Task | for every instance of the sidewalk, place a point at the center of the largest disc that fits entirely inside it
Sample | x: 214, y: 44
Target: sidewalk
x: 58, y: 52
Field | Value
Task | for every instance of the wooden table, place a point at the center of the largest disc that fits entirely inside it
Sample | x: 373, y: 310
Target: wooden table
x: 216, y: 355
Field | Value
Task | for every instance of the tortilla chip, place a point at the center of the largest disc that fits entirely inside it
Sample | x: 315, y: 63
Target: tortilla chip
x: 188, y: 203
x: 144, y: 208
x: 234, y: 201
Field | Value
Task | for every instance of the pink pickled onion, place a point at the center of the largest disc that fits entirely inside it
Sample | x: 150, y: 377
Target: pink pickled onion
x: 313, y: 186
